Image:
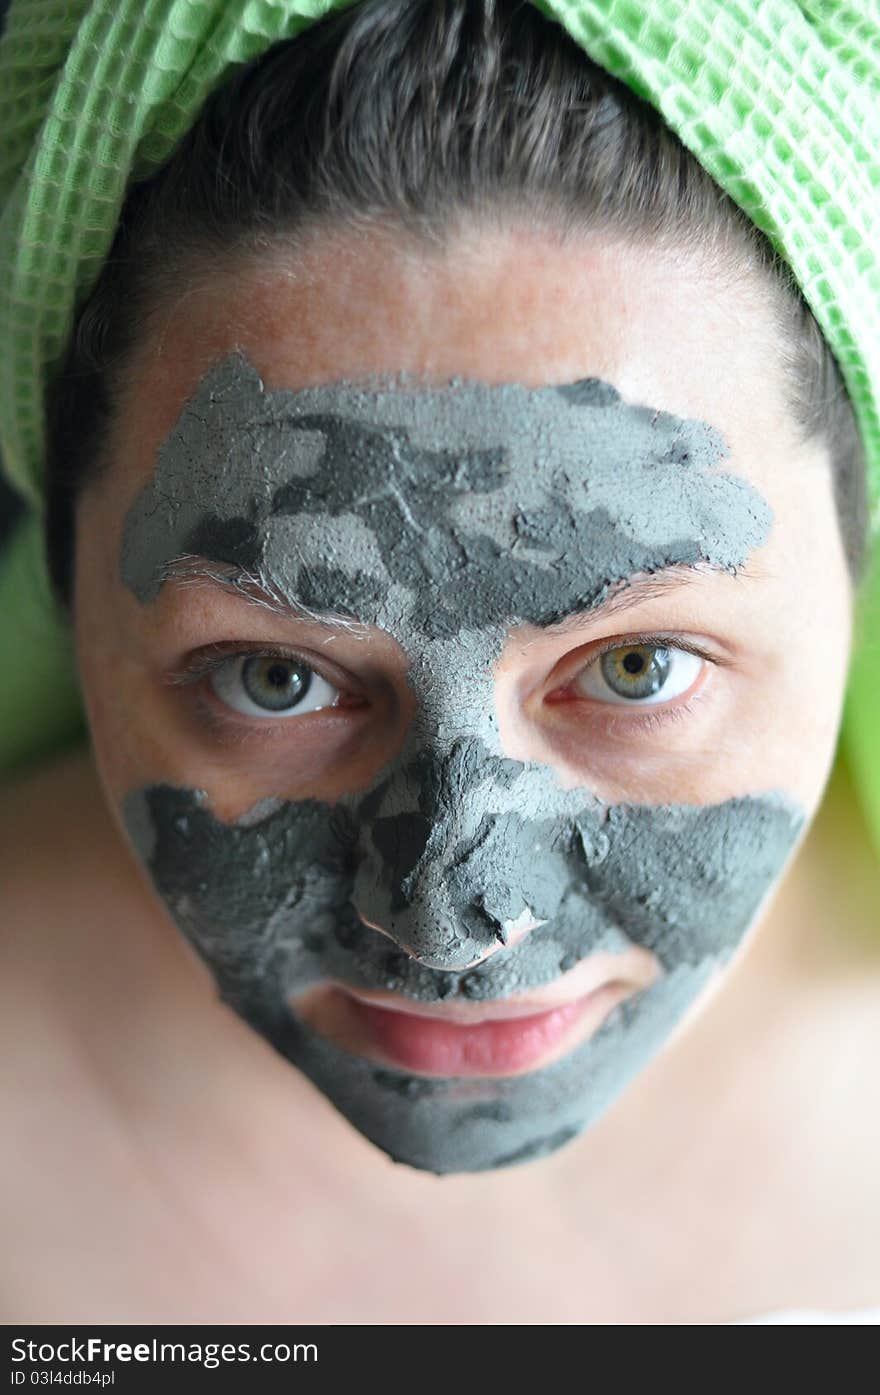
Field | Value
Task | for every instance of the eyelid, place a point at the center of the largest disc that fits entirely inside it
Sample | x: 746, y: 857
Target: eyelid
x: 592, y: 652
x: 212, y: 657
x: 640, y: 721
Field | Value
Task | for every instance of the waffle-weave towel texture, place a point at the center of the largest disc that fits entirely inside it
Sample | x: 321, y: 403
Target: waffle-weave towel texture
x: 778, y: 99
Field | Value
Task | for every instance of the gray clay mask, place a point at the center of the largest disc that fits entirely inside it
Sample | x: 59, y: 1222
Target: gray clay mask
x: 445, y: 516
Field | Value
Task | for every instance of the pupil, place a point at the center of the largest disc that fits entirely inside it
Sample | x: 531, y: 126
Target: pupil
x: 634, y: 663
x: 277, y: 676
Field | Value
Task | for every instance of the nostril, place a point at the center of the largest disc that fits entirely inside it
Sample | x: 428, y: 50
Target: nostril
x: 398, y: 964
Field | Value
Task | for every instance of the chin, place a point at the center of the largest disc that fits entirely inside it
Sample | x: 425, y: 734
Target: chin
x: 460, y: 1124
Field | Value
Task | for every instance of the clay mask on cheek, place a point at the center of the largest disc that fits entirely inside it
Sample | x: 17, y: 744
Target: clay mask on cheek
x: 444, y: 516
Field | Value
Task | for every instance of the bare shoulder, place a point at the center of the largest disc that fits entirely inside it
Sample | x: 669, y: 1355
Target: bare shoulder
x: 54, y: 829
x: 79, y: 926
x: 68, y: 882
x: 53, y: 798
x: 67, y: 879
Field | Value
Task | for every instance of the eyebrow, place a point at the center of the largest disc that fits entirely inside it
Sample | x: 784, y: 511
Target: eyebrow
x: 255, y: 587
x: 639, y: 588
x: 258, y: 589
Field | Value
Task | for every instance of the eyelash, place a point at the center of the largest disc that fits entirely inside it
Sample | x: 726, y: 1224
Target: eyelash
x: 653, y: 718
x: 648, y: 719
x: 237, y: 728
x: 199, y: 665
x: 657, y: 716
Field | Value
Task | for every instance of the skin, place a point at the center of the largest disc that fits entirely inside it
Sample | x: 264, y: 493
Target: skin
x: 665, y: 331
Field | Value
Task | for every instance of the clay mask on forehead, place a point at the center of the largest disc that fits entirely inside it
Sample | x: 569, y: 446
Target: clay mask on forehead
x: 445, y: 516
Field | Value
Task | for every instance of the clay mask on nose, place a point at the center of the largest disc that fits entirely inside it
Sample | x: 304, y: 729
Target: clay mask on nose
x: 444, y: 516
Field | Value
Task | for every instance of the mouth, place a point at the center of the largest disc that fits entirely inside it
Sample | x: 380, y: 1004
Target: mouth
x: 502, y: 1037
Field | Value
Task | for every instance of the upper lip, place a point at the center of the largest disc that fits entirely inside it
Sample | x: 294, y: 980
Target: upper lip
x: 635, y: 966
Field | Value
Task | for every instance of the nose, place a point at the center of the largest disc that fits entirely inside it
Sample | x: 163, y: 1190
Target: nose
x: 446, y: 870
x: 417, y: 883
x: 515, y: 932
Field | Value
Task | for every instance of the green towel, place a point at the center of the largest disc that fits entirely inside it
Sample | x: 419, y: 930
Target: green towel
x: 778, y: 99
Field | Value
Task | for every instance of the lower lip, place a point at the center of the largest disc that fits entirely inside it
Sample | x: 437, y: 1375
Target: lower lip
x: 434, y: 1047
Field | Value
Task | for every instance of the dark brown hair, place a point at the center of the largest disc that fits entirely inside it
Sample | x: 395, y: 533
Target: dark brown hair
x: 415, y: 112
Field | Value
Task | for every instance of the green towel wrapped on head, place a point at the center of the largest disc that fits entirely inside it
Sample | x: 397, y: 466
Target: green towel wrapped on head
x: 779, y: 100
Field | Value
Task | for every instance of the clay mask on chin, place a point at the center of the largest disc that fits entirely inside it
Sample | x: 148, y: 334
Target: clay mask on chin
x: 444, y: 516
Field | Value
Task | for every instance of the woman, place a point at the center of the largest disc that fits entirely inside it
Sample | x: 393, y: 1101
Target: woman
x: 459, y: 516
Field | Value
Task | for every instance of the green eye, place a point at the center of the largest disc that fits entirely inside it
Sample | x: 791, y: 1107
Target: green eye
x: 638, y: 671
x: 263, y: 685
x: 276, y: 684
x: 645, y: 673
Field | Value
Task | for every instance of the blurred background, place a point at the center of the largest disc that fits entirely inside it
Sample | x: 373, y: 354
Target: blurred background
x: 9, y: 504
x: 9, y: 507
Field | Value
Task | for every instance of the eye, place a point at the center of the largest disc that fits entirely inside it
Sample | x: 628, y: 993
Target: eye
x: 261, y: 685
x: 638, y: 673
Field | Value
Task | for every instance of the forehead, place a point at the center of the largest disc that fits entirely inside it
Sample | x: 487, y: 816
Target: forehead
x: 500, y: 304
x: 438, y: 508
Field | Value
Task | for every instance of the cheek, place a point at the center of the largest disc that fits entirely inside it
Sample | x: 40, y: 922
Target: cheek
x: 809, y: 629
x: 274, y: 884
x: 787, y: 725
x: 269, y: 901
x: 130, y: 739
x: 105, y: 624
x: 687, y: 882
x: 110, y: 694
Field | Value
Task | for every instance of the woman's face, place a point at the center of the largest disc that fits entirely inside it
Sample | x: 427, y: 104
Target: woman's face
x: 464, y: 635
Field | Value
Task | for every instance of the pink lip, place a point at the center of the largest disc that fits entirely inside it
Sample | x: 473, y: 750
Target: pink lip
x: 501, y: 1047
x: 495, y: 1038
